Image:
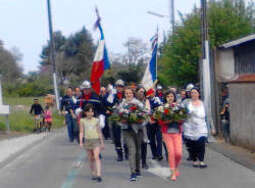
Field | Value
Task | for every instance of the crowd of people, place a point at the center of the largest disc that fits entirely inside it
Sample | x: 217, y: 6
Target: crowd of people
x: 87, y: 116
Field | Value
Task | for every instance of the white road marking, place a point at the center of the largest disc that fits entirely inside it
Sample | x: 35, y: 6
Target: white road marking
x: 158, y: 170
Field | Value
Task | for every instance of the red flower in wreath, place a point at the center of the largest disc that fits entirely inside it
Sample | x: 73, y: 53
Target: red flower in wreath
x: 133, y: 108
x: 166, y: 111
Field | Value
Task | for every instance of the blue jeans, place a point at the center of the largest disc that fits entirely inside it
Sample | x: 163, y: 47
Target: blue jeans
x: 72, y: 128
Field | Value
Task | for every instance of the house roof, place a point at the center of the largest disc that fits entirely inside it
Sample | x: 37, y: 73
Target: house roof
x: 245, y: 78
x: 238, y: 41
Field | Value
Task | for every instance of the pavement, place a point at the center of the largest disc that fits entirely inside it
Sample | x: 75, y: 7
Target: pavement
x: 50, y: 160
x: 238, y: 154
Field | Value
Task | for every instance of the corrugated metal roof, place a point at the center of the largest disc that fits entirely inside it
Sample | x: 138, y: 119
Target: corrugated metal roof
x: 245, y: 78
x: 238, y: 41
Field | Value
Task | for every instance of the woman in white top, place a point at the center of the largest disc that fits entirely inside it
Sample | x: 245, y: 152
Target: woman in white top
x: 195, y: 129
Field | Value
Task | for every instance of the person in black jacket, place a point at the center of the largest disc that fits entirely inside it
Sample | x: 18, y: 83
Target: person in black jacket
x: 67, y: 108
x: 37, y: 111
x: 90, y: 97
x: 113, y: 100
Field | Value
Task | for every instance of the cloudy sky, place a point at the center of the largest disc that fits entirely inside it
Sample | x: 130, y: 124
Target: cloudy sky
x: 24, y: 23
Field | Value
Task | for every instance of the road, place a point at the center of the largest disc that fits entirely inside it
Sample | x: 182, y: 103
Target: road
x: 54, y: 163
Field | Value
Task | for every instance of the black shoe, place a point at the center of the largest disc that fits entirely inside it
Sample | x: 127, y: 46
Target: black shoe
x: 126, y: 157
x: 154, y: 158
x: 133, y: 177
x: 160, y: 158
x: 99, y: 179
x: 145, y: 166
x: 189, y: 159
x: 120, y: 158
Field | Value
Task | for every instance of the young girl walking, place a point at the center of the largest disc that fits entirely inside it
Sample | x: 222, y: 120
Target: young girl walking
x: 91, y: 131
x: 48, y: 118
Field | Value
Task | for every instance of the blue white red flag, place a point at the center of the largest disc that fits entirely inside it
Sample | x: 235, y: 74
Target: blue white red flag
x: 150, y: 75
x: 101, y: 61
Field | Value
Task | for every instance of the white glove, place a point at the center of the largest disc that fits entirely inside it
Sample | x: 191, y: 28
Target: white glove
x: 78, y: 111
x: 101, y: 121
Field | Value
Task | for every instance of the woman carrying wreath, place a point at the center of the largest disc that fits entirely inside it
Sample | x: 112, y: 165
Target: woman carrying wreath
x: 141, y: 96
x: 172, y: 137
x: 132, y: 132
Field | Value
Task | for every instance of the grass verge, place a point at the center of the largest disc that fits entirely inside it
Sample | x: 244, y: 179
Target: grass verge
x: 21, y: 120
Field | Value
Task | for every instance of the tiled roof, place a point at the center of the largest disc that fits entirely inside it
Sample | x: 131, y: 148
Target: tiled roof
x: 245, y: 78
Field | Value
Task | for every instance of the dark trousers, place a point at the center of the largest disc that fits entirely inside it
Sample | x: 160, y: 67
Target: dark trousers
x: 116, y: 130
x: 185, y: 140
x: 106, y: 129
x: 72, y: 127
x: 226, y: 130
x: 155, y: 138
x: 134, y: 141
x: 197, y: 148
x: 144, y: 152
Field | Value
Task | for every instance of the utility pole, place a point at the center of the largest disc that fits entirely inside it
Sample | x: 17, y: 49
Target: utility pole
x: 172, y: 15
x: 52, y: 54
x: 205, y: 68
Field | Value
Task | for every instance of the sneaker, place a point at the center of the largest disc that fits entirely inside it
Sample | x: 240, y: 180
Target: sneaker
x: 133, y: 177
x: 202, y: 165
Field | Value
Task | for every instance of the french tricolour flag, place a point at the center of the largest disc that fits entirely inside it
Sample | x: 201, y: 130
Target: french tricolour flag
x: 101, y: 61
x: 150, y: 75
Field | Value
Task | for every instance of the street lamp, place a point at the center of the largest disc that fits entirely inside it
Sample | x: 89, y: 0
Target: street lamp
x: 157, y: 14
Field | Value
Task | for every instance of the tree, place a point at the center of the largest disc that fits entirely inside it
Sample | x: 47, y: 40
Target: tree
x: 227, y: 19
x: 74, y: 56
x: 10, y: 68
x: 136, y: 50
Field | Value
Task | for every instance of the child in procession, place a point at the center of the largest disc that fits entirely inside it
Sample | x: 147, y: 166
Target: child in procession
x: 91, y: 131
x: 48, y: 117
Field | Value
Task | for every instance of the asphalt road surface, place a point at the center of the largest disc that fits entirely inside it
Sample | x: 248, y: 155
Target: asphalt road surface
x: 56, y: 163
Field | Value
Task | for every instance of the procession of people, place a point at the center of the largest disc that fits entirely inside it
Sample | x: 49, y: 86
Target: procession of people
x: 137, y: 119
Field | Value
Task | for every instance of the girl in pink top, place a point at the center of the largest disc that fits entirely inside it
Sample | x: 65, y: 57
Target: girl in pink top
x: 48, y: 117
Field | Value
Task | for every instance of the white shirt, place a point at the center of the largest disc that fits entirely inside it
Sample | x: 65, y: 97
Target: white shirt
x: 195, y: 126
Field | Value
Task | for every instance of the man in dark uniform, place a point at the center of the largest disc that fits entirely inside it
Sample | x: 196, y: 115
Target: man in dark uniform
x: 103, y: 98
x: 67, y: 108
x: 89, y: 96
x: 154, y: 132
x: 115, y: 99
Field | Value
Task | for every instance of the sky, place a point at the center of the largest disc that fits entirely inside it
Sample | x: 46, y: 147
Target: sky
x: 24, y: 23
